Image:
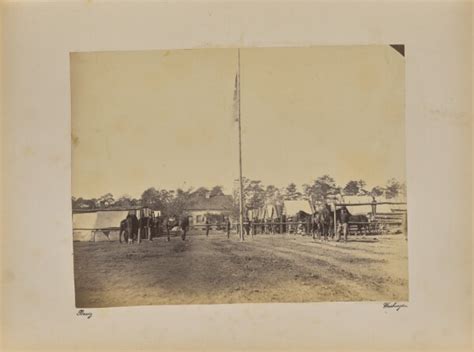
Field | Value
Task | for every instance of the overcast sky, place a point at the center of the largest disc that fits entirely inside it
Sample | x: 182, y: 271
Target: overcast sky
x: 164, y: 119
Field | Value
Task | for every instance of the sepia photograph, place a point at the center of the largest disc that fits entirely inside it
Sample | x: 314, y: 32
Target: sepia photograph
x: 239, y: 175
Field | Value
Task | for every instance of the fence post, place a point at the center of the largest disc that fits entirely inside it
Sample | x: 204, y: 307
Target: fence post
x: 405, y: 225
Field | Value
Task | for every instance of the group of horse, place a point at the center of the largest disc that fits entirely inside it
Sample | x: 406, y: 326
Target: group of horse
x: 134, y: 229
x: 323, y: 222
x: 320, y: 223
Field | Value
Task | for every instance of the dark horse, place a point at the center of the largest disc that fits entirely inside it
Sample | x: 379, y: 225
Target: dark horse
x: 144, y: 225
x: 362, y: 223
x: 129, y: 228
x: 323, y: 222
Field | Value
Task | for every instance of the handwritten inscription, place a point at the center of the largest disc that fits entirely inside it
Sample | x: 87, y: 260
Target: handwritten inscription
x: 394, y: 305
x: 83, y: 313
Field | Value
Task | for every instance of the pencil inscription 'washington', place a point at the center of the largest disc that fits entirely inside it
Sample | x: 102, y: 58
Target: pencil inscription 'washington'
x: 239, y: 175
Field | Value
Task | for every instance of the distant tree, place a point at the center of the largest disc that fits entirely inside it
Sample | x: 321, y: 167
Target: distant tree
x: 151, y: 198
x: 136, y: 202
x: 91, y: 203
x: 177, y: 204
x: 254, y: 195
x: 362, y: 189
x: 403, y: 189
x: 216, y: 191
x: 272, y: 195
x: 124, y: 201
x: 81, y: 203
x: 106, y: 200
x: 377, y: 191
x: 321, y: 188
x: 393, y: 188
x: 292, y: 193
x: 351, y: 188
x: 201, y: 192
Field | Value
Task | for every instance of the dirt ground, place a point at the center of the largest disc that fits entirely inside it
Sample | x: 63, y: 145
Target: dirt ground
x: 214, y: 269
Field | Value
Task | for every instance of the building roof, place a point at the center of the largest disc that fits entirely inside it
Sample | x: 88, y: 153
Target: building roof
x: 111, y: 209
x: 216, y: 203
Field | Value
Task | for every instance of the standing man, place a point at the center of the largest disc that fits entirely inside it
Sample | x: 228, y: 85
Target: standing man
x: 184, y: 226
x: 247, y: 226
x: 227, y: 226
x: 167, y: 224
x: 344, y: 222
x: 151, y: 222
x: 208, y: 226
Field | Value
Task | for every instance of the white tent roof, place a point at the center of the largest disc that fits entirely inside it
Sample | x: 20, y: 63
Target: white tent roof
x: 87, y: 222
x: 357, y: 199
x: 270, y: 211
x: 99, y: 236
x: 292, y: 207
x: 365, y: 209
x: 361, y: 209
x: 84, y: 220
x: 386, y: 208
x: 98, y: 220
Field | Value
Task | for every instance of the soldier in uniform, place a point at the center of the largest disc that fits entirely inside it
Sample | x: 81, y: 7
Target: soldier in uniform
x: 344, y: 223
x: 184, y: 223
x: 227, y: 226
x: 167, y: 224
x: 246, y: 226
x: 208, y: 226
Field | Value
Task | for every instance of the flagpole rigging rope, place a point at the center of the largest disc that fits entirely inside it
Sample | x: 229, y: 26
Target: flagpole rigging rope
x: 241, y: 202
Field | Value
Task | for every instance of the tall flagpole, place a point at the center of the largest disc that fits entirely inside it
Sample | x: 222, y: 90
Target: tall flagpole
x: 241, y: 215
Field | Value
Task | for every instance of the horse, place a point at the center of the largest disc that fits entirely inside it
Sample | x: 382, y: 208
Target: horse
x: 129, y: 227
x: 304, y: 226
x: 362, y: 222
x: 324, y: 219
x: 144, y: 224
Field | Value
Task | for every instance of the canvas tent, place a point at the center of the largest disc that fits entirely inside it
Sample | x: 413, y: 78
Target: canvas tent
x: 89, y: 226
x: 366, y: 209
x: 271, y: 212
x: 293, y: 207
x: 253, y: 214
x: 256, y: 214
x: 383, y: 208
x: 387, y: 208
x: 361, y: 209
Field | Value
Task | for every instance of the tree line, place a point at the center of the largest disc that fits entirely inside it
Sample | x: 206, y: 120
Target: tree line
x: 256, y: 195
x: 168, y: 201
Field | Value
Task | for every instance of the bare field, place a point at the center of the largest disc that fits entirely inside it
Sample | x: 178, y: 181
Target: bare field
x: 214, y: 269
